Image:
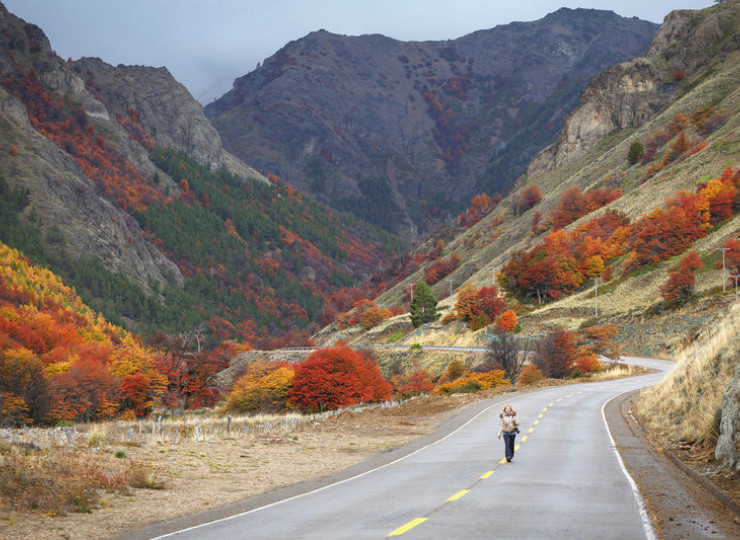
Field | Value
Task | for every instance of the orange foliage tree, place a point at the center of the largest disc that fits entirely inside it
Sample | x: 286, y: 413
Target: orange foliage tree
x: 59, y: 360
x: 508, y: 320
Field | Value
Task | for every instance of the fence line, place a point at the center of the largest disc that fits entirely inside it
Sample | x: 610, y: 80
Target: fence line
x: 179, y: 429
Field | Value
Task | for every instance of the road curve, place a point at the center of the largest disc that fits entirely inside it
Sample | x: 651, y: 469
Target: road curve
x: 566, y: 481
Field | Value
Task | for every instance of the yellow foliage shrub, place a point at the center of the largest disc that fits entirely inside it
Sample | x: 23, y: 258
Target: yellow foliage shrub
x: 264, y: 388
x: 474, y: 382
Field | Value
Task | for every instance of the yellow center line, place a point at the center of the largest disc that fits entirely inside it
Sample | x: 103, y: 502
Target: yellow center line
x: 524, y: 439
x: 536, y: 421
x: 516, y: 448
x: 457, y: 495
x: 530, y: 430
x: 489, y: 473
x: 552, y: 404
x: 503, y: 460
x: 540, y: 415
x: 559, y: 400
x: 410, y: 525
x: 544, y: 410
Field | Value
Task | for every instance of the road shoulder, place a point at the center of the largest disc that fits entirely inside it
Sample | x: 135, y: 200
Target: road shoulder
x: 679, y: 506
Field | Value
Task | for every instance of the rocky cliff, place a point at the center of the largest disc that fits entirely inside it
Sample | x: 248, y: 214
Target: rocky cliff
x: 65, y: 202
x: 628, y: 94
x: 405, y: 133
x: 164, y: 108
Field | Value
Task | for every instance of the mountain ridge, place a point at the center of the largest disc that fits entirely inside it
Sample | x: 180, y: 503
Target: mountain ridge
x: 361, y: 119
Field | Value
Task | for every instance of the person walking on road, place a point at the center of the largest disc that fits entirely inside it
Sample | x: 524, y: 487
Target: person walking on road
x: 509, y: 429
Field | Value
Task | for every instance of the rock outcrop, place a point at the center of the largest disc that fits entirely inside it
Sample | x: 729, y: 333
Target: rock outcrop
x: 628, y: 94
x: 163, y: 107
x: 727, y: 452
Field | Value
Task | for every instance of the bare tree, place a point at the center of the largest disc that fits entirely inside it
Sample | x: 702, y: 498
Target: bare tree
x: 507, y: 352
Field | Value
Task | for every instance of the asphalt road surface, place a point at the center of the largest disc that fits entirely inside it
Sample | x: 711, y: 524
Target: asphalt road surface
x: 566, y: 481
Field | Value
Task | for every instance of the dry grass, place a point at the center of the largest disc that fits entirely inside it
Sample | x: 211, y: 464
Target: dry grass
x: 195, y: 427
x: 617, y: 371
x: 55, y: 482
x: 683, y: 406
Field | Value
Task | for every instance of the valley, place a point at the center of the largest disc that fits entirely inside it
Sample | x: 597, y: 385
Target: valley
x: 363, y: 221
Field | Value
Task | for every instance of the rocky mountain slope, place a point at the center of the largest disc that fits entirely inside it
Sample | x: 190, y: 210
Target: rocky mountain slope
x: 403, y: 133
x: 115, y: 179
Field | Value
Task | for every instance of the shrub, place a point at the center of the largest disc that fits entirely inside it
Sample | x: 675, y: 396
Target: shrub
x: 588, y: 363
x: 530, y: 375
x: 64, y: 480
x: 338, y: 377
x: 263, y: 388
x: 473, y: 382
x: 481, y: 320
x: 530, y: 197
x: 455, y: 370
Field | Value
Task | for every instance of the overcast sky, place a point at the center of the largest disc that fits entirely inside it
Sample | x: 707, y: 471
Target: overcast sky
x: 206, y: 44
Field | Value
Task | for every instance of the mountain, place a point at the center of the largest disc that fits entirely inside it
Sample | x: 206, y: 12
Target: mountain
x: 657, y: 228
x: 113, y: 178
x: 405, y: 133
x: 681, y: 104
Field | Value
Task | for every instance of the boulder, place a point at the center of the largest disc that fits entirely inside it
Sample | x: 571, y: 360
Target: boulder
x: 727, y: 452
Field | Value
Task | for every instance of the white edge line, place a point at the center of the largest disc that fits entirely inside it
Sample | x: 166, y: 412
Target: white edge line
x: 647, y: 523
x: 294, y: 497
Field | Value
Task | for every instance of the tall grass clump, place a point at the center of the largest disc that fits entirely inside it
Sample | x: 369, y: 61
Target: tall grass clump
x: 683, y: 407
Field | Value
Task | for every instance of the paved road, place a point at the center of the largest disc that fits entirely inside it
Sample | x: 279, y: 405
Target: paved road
x: 566, y: 481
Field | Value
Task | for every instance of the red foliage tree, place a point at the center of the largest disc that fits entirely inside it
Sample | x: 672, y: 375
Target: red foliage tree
x: 418, y: 382
x: 680, y: 284
x: 562, y: 362
x: 529, y: 197
x: 732, y: 256
x: 189, y: 368
x: 480, y: 206
x: 440, y: 269
x: 337, y: 377
x: 490, y: 301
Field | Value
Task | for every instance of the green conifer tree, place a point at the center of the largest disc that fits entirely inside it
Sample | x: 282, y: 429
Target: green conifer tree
x: 423, y: 307
x: 635, y: 153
